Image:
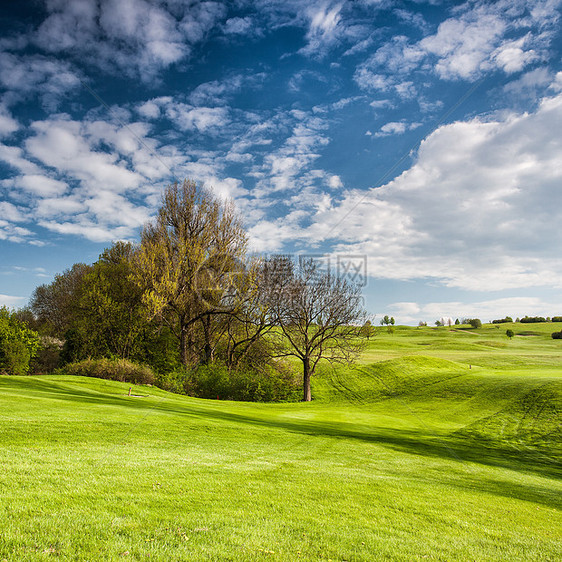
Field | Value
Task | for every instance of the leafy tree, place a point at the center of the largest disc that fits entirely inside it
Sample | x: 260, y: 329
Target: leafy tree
x: 114, y: 318
x: 185, y: 263
x: 57, y: 305
x: 503, y: 320
x: 474, y: 322
x: 457, y: 322
x: 319, y: 314
x: 509, y: 333
x: 368, y: 330
x: 18, y: 344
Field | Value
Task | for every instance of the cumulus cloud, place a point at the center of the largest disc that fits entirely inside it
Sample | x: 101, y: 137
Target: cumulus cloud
x: 483, y: 226
x: 8, y: 124
x: 26, y: 75
x: 93, y: 178
x: 136, y: 37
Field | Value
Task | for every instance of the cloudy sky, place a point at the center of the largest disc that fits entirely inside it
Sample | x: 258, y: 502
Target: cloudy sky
x: 417, y: 143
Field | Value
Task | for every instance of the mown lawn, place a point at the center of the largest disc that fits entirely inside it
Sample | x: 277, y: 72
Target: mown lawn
x: 440, y: 445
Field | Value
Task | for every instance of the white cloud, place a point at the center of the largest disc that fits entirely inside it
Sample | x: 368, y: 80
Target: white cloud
x: 8, y: 124
x: 396, y: 128
x: 26, y: 75
x: 529, y: 82
x: 281, y: 168
x: 36, y: 184
x: 92, y: 178
x: 335, y: 182
x: 475, y: 211
x: 135, y: 37
x: 239, y: 26
x: 479, y: 37
x: 11, y: 301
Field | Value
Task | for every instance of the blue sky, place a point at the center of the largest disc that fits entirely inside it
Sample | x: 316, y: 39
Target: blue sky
x: 417, y: 144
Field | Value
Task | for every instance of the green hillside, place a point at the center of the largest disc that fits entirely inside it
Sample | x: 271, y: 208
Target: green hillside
x: 439, y: 445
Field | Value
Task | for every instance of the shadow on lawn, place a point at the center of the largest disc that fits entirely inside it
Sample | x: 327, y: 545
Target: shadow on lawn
x: 451, y: 447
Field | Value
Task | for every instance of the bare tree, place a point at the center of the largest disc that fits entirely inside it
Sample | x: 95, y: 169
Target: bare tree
x: 319, y: 314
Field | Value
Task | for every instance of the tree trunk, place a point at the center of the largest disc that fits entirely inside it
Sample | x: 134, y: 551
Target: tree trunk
x: 183, y: 346
x: 306, y: 380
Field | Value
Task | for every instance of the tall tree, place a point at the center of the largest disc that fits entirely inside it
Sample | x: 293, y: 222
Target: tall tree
x: 185, y: 262
x: 319, y: 314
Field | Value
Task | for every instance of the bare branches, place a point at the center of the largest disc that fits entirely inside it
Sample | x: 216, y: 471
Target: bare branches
x: 319, y: 314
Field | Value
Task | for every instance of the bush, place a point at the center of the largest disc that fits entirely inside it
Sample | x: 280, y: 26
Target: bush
x: 265, y: 385
x: 557, y: 335
x: 111, y: 369
x: 509, y: 333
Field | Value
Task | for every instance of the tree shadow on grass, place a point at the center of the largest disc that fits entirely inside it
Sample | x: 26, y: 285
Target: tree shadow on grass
x: 453, y: 448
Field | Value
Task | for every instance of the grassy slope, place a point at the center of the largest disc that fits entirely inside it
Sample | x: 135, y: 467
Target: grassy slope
x: 441, y: 445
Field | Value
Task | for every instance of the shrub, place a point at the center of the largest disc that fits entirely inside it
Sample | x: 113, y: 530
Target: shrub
x: 557, y: 335
x: 509, y: 333
x: 111, y: 369
x: 268, y: 384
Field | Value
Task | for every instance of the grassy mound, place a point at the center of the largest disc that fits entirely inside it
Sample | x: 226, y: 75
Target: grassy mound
x: 532, y: 420
x: 380, y: 380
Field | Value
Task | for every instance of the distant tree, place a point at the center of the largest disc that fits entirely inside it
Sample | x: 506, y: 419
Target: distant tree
x: 457, y: 322
x: 319, y: 315
x: 557, y: 335
x: 438, y: 323
x: 509, y: 333
x: 368, y: 330
x: 556, y: 319
x: 421, y: 323
x: 503, y: 320
x: 532, y: 319
x: 475, y: 322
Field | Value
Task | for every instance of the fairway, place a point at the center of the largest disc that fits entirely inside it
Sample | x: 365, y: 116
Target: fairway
x: 440, y: 444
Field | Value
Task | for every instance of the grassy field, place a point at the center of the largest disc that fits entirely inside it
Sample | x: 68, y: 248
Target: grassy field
x: 440, y: 445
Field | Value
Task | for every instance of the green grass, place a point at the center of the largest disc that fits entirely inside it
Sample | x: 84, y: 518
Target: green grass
x: 440, y: 445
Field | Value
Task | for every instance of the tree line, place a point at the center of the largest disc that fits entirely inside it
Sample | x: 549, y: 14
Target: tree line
x: 194, y: 305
